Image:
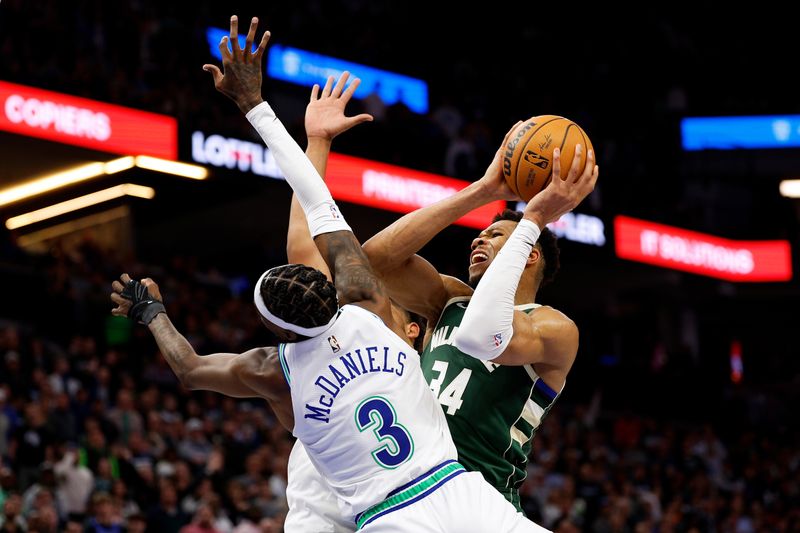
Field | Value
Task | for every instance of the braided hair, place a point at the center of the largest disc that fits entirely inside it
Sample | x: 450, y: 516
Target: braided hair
x: 547, y: 243
x: 300, y: 295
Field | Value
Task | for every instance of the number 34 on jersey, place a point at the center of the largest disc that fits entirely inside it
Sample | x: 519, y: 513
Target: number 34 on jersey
x: 451, y: 396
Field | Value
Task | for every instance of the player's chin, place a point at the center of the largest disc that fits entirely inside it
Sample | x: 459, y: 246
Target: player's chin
x: 476, y: 271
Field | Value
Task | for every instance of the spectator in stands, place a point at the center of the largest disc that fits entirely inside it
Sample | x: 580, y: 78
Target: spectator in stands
x: 5, y: 425
x: 195, y: 447
x: 136, y: 523
x: 104, y: 517
x: 202, y: 522
x: 125, y: 417
x: 30, y: 444
x: 166, y: 516
x: 11, y: 519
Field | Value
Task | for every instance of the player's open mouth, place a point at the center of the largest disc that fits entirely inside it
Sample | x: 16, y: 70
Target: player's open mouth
x: 477, y: 257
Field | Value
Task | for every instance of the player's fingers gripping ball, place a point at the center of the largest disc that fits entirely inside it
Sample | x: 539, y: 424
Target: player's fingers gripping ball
x: 528, y: 153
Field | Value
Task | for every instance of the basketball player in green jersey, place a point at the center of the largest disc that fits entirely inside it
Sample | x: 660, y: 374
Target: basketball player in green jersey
x: 481, y: 429
x: 493, y: 407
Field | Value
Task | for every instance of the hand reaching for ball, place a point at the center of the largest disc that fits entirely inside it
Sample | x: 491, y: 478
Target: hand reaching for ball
x: 528, y: 154
x: 562, y: 195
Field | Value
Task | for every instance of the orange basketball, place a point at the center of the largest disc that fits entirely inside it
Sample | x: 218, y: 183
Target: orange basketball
x: 528, y: 156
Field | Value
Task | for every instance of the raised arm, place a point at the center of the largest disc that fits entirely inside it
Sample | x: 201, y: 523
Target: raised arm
x: 412, y: 281
x: 325, y: 119
x: 354, y: 279
x: 253, y: 374
x: 491, y: 329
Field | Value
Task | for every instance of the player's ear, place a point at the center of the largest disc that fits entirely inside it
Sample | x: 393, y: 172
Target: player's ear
x: 412, y: 330
x: 534, y: 257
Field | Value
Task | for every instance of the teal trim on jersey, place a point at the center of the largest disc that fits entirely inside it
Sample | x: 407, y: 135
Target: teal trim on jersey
x: 284, y: 366
x: 421, y: 488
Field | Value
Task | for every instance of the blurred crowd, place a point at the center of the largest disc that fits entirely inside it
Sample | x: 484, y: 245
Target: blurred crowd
x: 620, y: 472
x: 97, y: 435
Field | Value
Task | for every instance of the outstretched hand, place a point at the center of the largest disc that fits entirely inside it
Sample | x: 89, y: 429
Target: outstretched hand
x: 563, y: 195
x: 240, y: 79
x: 138, y: 300
x: 325, y: 117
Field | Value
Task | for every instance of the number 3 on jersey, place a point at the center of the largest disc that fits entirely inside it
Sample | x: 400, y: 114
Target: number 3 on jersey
x: 450, y: 397
x: 397, y: 447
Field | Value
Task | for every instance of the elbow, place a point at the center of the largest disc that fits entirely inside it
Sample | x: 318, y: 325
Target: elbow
x: 485, y: 348
x: 186, y: 380
x: 294, y: 250
x: 349, y: 294
x: 465, y: 344
x: 189, y: 373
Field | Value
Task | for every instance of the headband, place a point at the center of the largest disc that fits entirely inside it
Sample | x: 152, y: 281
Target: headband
x: 262, y: 308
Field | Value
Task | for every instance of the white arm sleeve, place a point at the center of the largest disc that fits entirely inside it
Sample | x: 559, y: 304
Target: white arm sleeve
x: 321, y: 211
x: 488, y: 323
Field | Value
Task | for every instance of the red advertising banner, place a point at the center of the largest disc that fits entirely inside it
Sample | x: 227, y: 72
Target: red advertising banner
x: 88, y: 123
x: 398, y: 189
x: 690, y: 251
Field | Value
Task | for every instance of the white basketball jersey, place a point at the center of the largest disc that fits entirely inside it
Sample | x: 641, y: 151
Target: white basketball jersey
x: 363, y: 410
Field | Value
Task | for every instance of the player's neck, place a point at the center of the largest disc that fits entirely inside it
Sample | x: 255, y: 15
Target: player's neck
x: 526, y: 290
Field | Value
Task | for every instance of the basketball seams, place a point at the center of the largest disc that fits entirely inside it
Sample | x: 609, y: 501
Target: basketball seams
x: 561, y: 148
x: 585, y: 144
x: 585, y: 141
x: 564, y: 140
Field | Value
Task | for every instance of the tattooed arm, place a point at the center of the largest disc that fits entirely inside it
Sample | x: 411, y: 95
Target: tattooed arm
x: 255, y: 373
x: 352, y: 274
x: 241, y: 82
x: 225, y: 373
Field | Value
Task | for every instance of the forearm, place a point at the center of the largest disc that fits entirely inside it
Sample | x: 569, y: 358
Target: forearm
x: 300, y: 247
x: 179, y: 354
x: 487, y: 327
x: 397, y: 243
x: 354, y: 279
x: 312, y: 194
x: 339, y: 247
x: 317, y: 151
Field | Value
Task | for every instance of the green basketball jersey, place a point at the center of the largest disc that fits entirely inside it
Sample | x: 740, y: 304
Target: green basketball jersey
x: 492, y: 410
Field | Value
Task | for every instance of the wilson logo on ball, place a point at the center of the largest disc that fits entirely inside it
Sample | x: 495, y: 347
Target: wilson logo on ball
x: 512, y: 146
x: 528, y: 156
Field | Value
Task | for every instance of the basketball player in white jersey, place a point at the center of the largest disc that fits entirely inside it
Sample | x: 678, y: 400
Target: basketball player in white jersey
x: 350, y: 393
x: 313, y: 506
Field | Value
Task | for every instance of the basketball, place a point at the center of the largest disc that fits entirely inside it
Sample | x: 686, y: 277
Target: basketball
x: 528, y: 156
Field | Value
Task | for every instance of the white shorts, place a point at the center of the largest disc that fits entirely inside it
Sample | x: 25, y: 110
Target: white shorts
x: 465, y: 503
x: 313, y: 506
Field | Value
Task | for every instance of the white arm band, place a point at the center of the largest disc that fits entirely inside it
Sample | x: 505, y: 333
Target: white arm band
x: 488, y: 323
x: 321, y: 211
